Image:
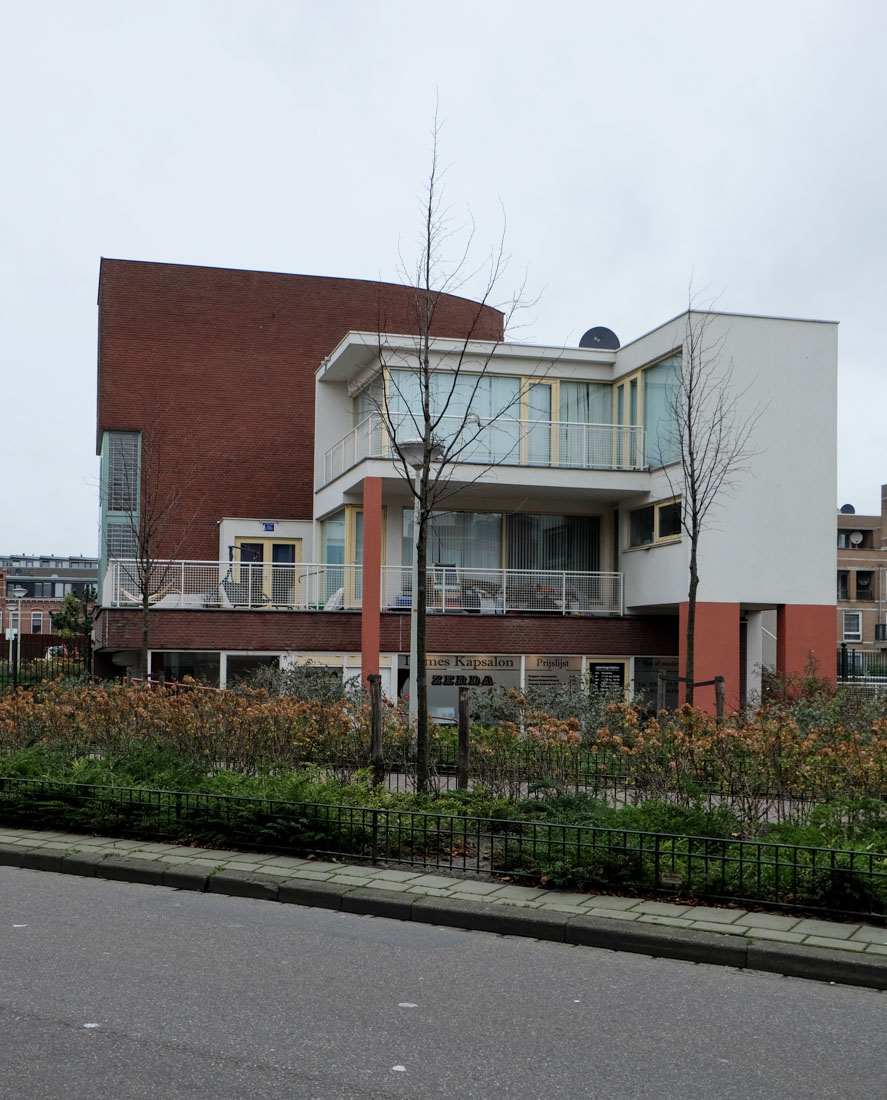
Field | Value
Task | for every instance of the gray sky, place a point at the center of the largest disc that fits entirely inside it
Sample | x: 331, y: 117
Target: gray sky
x: 633, y: 148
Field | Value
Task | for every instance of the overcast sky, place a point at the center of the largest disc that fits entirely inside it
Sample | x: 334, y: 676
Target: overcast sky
x: 633, y: 148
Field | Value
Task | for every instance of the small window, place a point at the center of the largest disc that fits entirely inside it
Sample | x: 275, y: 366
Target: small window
x: 669, y: 520
x: 642, y: 522
x: 852, y: 626
x: 655, y: 523
x: 36, y: 622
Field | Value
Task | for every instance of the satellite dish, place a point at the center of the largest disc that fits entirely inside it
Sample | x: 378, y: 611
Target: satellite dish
x: 600, y: 338
x: 863, y: 580
x: 17, y: 591
x: 848, y: 510
x: 855, y: 538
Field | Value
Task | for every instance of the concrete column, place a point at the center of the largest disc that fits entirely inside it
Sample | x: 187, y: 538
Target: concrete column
x: 805, y: 633
x: 716, y: 649
x: 754, y: 655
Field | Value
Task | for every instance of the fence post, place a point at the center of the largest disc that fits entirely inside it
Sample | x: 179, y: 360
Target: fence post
x: 660, y: 690
x: 719, y: 696
x: 374, y: 852
x: 843, y: 672
x: 377, y: 758
x: 464, y: 726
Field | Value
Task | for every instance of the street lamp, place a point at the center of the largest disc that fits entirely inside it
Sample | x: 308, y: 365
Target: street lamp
x: 412, y: 451
x: 14, y: 634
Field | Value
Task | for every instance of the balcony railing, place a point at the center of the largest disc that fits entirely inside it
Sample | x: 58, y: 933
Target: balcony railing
x: 202, y: 585
x: 501, y: 442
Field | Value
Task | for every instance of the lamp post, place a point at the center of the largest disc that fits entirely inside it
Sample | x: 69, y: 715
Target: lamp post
x: 412, y: 452
x: 14, y: 634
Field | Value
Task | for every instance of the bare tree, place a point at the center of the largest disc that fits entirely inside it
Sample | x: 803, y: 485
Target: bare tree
x: 431, y: 421
x: 148, y: 492
x: 711, y: 433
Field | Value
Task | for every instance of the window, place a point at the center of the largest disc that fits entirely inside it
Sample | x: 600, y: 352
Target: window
x: 122, y: 542
x: 122, y: 473
x: 842, y: 540
x: 36, y: 622
x: 655, y: 523
x: 843, y: 585
x: 852, y: 626
x: 668, y: 520
x: 661, y: 385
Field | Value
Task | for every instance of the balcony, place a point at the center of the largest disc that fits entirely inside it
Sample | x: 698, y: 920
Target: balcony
x: 501, y: 442
x: 254, y: 586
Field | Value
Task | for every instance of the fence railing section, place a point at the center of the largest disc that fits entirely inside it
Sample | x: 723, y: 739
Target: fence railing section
x: 177, y: 585
x: 862, y: 665
x: 751, y: 872
x: 500, y: 591
x: 242, y: 585
x: 499, y: 441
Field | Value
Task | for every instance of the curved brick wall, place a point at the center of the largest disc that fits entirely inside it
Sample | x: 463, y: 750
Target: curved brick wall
x: 216, y: 368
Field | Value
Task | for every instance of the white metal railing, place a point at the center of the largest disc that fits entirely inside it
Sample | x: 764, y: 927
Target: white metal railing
x: 235, y: 585
x: 307, y: 586
x: 501, y: 442
x: 501, y: 591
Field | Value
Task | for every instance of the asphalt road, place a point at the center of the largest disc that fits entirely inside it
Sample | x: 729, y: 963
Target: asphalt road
x: 113, y: 990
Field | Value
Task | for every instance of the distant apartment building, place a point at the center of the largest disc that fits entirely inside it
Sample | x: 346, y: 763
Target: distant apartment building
x: 32, y: 587
x: 862, y: 578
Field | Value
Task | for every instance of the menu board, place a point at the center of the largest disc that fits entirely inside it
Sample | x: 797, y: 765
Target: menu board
x: 606, y: 676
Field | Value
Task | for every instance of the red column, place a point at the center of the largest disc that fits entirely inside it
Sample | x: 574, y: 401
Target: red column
x: 716, y: 652
x: 371, y: 615
x: 805, y: 632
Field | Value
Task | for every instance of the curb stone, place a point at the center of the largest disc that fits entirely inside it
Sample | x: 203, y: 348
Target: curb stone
x: 822, y: 964
x: 378, y: 903
x: 727, y: 948
x: 243, y: 884
x: 480, y: 917
x: 185, y: 878
x: 664, y: 941
x: 146, y: 872
x: 322, y: 895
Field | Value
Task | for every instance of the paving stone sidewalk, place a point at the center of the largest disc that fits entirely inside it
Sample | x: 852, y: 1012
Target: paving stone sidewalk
x: 205, y: 868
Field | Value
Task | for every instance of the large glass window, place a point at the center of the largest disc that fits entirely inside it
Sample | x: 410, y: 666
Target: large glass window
x: 661, y: 383
x: 553, y: 542
x: 467, y: 539
x: 473, y: 540
x: 122, y: 472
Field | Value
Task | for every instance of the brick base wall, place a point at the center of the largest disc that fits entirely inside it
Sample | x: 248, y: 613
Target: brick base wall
x: 339, y: 632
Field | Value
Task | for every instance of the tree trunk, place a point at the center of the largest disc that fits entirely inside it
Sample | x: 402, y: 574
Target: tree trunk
x: 422, y: 773
x: 690, y: 670
x: 143, y: 656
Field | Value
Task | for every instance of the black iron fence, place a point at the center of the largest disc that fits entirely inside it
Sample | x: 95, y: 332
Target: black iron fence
x: 862, y: 665
x: 749, y: 872
x: 31, y: 658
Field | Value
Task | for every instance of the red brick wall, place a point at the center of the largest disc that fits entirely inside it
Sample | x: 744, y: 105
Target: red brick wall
x: 216, y: 368
x: 340, y: 632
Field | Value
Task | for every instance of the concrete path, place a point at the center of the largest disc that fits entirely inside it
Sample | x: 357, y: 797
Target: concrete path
x: 854, y: 954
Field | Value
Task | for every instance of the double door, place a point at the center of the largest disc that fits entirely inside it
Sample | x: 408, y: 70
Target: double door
x: 269, y: 569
